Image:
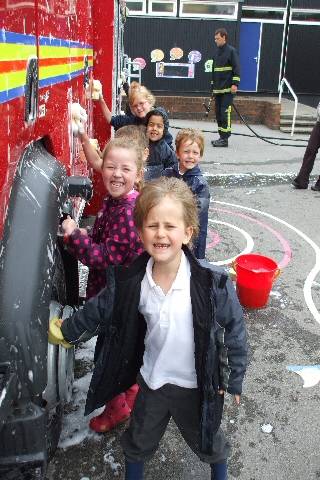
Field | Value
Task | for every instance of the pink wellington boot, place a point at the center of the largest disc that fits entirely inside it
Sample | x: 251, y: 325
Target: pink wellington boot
x: 116, y: 411
x: 131, y: 394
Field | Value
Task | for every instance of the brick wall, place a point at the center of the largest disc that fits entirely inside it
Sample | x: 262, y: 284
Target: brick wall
x: 254, y: 109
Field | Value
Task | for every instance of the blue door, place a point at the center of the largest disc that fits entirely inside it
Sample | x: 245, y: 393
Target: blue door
x: 249, y: 55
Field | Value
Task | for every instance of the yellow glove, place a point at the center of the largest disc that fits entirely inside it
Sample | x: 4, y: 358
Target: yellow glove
x: 55, y: 335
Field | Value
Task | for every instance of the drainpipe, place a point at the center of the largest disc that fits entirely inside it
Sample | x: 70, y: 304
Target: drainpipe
x: 283, y: 62
x: 237, y: 36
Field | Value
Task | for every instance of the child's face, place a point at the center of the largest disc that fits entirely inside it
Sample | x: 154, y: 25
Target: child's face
x: 188, y: 155
x: 119, y: 171
x: 164, y: 231
x: 140, y: 107
x: 155, y: 128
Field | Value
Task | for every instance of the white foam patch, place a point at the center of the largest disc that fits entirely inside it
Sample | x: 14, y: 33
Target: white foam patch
x: 75, y: 427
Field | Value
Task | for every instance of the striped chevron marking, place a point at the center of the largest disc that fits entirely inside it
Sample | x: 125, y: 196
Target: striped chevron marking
x: 60, y: 60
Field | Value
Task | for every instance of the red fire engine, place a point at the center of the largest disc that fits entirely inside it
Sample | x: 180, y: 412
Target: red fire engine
x: 49, y: 51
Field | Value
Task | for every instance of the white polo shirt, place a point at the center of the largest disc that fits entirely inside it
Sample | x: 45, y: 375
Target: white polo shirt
x: 169, y: 341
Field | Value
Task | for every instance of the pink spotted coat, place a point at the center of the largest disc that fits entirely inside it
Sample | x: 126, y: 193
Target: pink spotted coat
x: 113, y: 240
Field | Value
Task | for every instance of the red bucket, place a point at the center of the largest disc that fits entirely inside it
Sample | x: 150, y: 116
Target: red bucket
x: 255, y: 276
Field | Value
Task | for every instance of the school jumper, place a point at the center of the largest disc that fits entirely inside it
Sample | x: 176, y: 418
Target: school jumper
x: 113, y: 240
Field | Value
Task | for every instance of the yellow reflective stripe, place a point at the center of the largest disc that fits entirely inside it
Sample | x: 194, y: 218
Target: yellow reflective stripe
x: 53, y: 71
x: 46, y: 51
x: 225, y: 130
x: 229, y: 117
x: 57, y: 70
x: 237, y: 79
x: 224, y: 90
x: 12, y: 80
x: 14, y: 51
x: 222, y: 69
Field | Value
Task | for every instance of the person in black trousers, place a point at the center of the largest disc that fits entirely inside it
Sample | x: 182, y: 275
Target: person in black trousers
x: 225, y: 81
x: 302, y: 179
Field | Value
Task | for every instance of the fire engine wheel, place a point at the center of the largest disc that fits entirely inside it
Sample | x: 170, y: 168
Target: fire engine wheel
x: 60, y: 360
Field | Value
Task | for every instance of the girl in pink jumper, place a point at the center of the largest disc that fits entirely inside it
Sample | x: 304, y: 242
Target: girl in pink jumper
x: 113, y: 240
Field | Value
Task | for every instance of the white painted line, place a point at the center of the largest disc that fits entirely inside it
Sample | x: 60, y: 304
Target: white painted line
x: 307, y: 289
x: 249, y: 240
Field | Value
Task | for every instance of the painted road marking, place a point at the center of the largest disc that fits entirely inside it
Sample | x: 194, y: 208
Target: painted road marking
x: 307, y: 289
x: 285, y: 245
x: 249, y: 240
x: 309, y: 373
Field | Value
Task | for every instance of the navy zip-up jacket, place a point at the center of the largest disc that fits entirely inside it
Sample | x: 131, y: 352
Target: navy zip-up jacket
x: 199, y: 187
x: 160, y: 154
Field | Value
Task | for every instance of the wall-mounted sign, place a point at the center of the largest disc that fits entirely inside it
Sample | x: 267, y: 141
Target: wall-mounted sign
x: 175, y: 70
x: 157, y: 55
x: 176, y: 53
x: 194, y: 56
x: 140, y: 61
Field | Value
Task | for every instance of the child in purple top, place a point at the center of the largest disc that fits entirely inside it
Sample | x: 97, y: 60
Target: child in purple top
x: 113, y: 241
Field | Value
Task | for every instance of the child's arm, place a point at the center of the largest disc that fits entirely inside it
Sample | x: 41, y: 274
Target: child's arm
x: 114, y: 250
x: 203, y: 200
x: 232, y: 336
x: 69, y: 225
x: 84, y: 324
x: 91, y: 154
x: 170, y: 158
x: 105, y: 110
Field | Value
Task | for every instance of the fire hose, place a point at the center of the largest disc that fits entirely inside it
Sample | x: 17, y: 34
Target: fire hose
x: 207, y: 107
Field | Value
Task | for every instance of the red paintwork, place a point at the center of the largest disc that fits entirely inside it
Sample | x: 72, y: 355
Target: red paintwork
x: 93, y: 24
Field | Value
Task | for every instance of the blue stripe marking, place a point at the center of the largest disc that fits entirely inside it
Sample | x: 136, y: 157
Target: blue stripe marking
x: 7, y: 95
x: 12, y: 37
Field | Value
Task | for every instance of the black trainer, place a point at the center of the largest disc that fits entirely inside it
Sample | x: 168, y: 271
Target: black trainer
x: 315, y: 187
x: 221, y: 142
x: 297, y: 185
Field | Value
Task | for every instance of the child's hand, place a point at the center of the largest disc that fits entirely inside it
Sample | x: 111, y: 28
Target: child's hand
x: 79, y: 118
x: 68, y: 226
x: 96, y: 90
x: 237, y: 398
x: 55, y: 336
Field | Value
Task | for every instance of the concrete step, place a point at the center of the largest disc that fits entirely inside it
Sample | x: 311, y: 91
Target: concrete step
x: 300, y: 123
x: 297, y: 129
x: 288, y: 116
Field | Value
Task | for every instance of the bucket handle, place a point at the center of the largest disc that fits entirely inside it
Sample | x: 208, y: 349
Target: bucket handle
x: 234, y: 265
x: 276, y: 274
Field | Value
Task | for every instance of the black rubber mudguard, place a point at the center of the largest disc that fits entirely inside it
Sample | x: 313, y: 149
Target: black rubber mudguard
x: 27, y: 258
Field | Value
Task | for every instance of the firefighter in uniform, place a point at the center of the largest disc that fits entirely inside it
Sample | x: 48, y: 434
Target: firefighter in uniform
x: 225, y: 81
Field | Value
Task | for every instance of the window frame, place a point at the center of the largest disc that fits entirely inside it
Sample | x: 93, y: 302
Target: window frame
x: 162, y: 14
x: 264, y: 20
x: 209, y: 16
x: 303, y: 22
x: 138, y: 12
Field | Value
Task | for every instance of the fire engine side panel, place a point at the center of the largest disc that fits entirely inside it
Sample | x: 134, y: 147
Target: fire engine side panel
x: 65, y: 59
x: 103, y: 44
x: 17, y: 44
